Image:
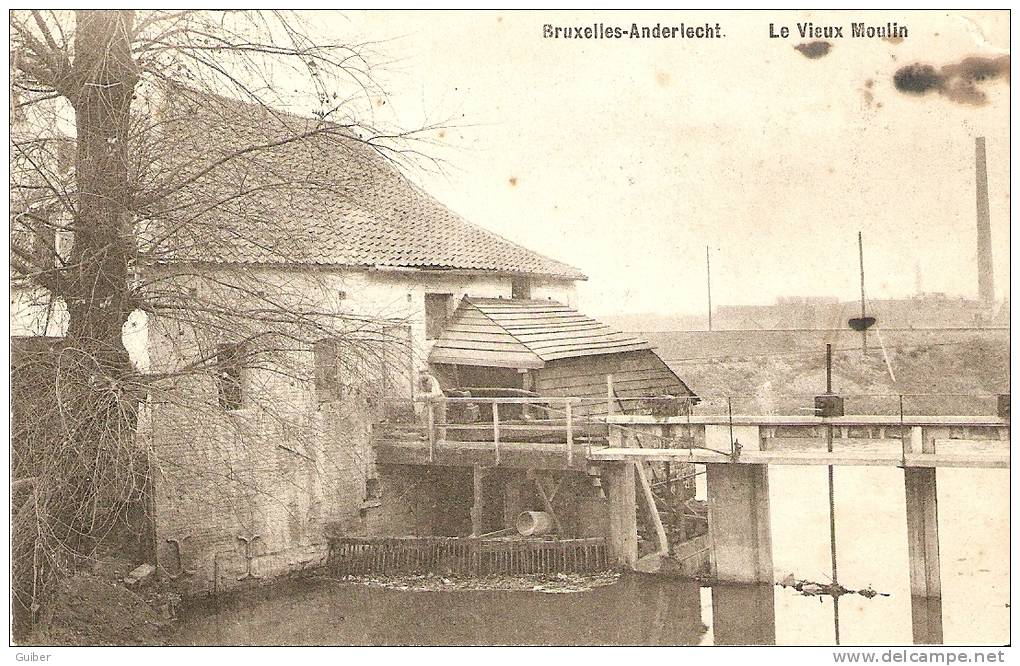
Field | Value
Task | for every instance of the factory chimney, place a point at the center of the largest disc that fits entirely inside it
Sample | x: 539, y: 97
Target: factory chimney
x: 986, y: 280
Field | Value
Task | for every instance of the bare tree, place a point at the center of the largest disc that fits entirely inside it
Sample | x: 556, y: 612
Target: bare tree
x: 167, y: 196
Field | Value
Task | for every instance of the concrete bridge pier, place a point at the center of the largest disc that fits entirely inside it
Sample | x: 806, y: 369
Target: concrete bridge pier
x: 740, y: 526
x: 923, y: 532
x: 619, y: 484
x: 923, y: 542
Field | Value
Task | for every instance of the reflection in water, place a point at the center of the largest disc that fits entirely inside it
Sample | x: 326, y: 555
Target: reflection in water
x: 637, y: 610
x: 648, y: 610
x: 744, y: 614
x: 926, y: 618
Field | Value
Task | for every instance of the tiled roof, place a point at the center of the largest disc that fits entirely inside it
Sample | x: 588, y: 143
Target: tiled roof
x: 327, y: 199
x: 521, y: 333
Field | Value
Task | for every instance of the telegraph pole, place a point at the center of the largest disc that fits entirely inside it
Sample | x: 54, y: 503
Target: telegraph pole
x: 864, y: 322
x: 860, y: 254
x: 708, y: 273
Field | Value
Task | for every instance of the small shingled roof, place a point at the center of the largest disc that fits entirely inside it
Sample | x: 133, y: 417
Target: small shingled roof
x: 522, y: 333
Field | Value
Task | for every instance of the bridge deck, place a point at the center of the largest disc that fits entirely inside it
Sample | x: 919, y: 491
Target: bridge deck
x: 907, y: 441
x: 816, y: 457
x: 553, y: 455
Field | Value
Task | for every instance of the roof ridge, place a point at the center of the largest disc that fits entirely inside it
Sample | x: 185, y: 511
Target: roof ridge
x: 367, y: 210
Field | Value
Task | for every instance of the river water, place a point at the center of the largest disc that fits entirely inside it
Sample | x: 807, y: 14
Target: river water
x: 657, y: 610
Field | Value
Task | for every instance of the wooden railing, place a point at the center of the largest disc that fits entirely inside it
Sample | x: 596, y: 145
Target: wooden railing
x: 438, y: 425
x: 540, y: 425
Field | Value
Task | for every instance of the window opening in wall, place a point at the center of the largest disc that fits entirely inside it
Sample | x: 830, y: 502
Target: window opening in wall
x: 327, y: 370
x: 230, y: 375
x: 437, y: 314
x: 520, y: 287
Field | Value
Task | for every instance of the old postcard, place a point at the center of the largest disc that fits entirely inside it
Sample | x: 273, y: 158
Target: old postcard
x: 510, y: 328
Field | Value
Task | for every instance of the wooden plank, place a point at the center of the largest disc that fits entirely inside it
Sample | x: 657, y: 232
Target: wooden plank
x: 552, y: 339
x: 525, y: 319
x: 461, y: 326
x: 570, y: 435
x: 547, y: 503
x: 495, y: 335
x: 561, y: 381
x: 552, y: 328
x: 625, y: 378
x: 590, y: 351
x: 498, y: 346
x: 820, y: 457
x: 768, y: 420
x: 521, y: 455
x: 495, y: 430
x: 488, y: 359
x: 545, y: 350
x: 967, y: 460
x: 518, y: 304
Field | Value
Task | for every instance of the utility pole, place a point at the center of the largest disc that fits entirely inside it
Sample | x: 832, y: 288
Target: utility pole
x: 708, y: 273
x: 832, y: 495
x: 860, y: 254
x: 864, y: 322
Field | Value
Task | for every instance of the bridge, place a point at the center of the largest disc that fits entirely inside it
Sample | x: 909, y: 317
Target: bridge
x: 542, y: 433
x: 558, y: 440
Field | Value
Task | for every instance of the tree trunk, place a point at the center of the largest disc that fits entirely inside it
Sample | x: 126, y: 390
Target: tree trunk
x: 97, y: 410
x: 105, y: 75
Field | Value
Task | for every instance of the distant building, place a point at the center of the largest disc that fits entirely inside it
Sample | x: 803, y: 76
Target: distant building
x: 927, y: 310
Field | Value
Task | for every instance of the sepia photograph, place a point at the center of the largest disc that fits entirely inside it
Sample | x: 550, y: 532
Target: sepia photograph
x: 509, y: 327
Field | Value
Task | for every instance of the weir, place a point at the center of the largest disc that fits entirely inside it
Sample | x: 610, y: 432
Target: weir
x: 464, y: 556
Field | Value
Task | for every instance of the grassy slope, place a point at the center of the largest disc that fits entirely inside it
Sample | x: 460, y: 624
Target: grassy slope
x: 973, y: 367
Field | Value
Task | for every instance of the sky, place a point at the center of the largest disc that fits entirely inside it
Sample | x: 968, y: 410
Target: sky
x: 626, y: 158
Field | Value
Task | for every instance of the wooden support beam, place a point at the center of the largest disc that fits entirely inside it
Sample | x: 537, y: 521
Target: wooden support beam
x: 610, y: 395
x: 547, y: 499
x: 653, y: 511
x: 495, y: 430
x: 478, y: 506
x: 431, y: 410
x: 570, y: 436
x: 738, y: 514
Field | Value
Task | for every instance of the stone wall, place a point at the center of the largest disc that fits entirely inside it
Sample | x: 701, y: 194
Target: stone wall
x: 246, y: 495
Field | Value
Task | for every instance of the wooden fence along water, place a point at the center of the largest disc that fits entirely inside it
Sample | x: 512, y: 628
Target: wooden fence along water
x: 465, y: 556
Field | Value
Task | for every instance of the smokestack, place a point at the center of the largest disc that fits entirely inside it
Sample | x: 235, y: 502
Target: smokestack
x: 986, y: 279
